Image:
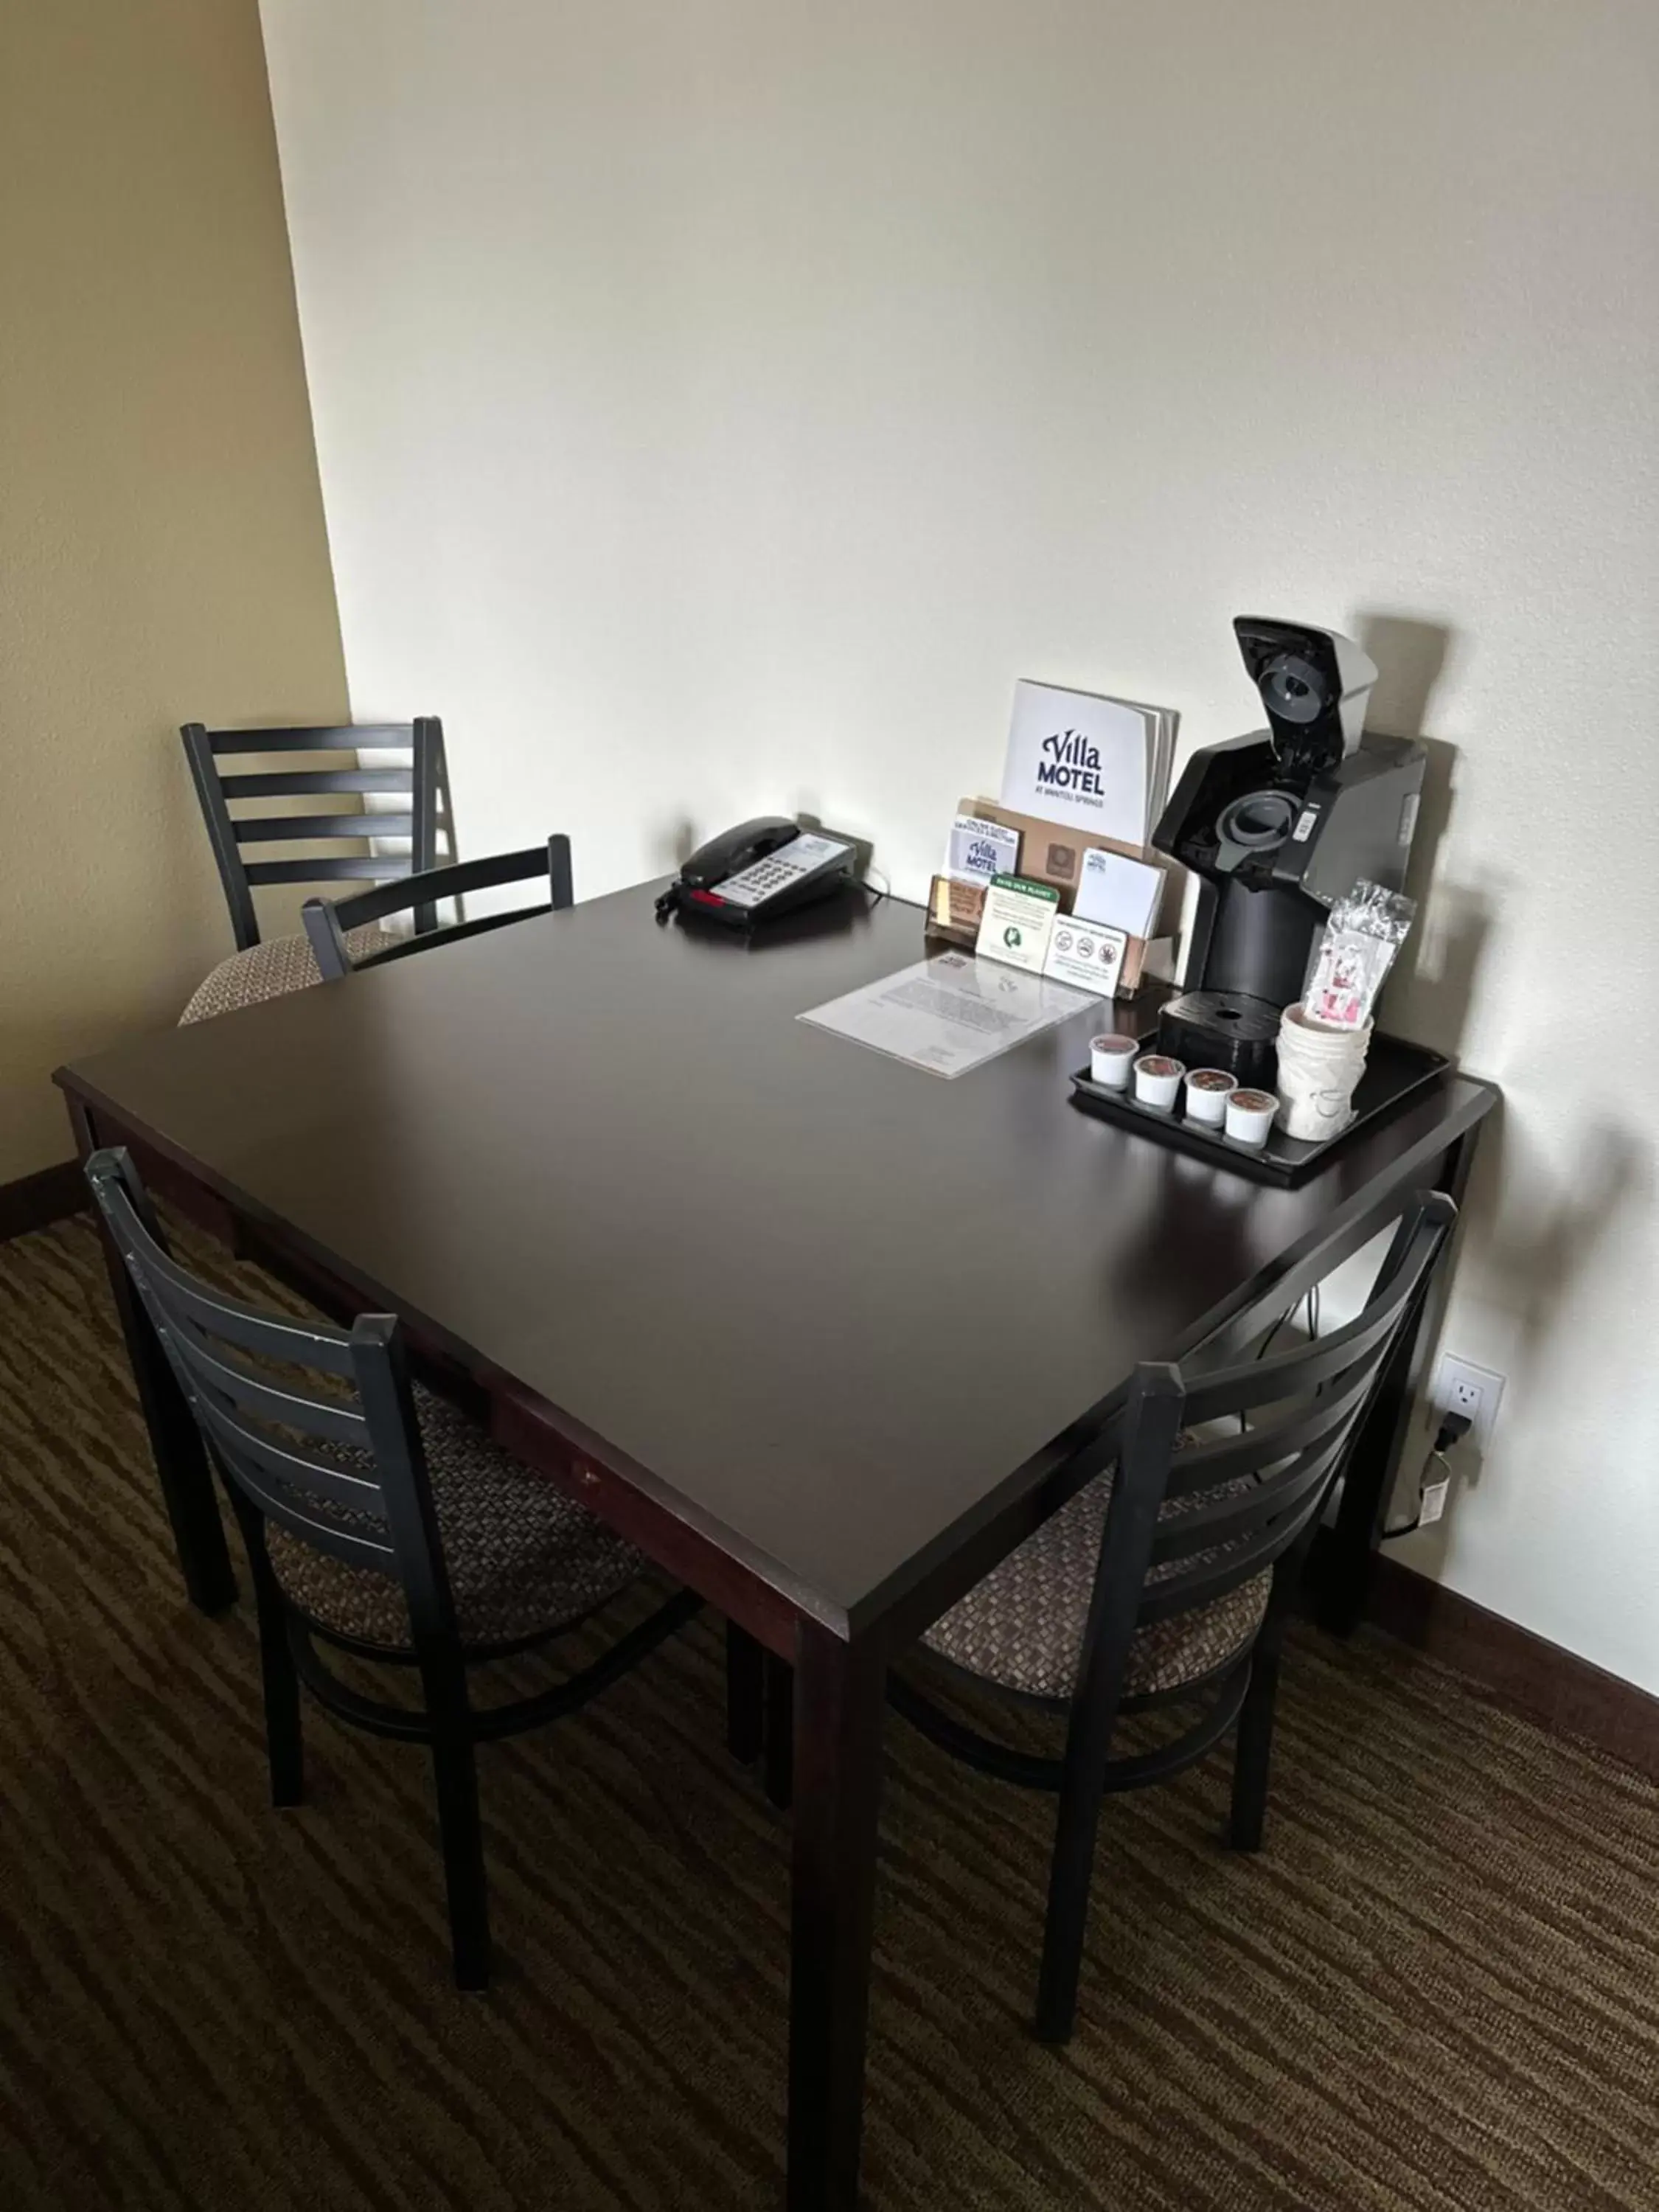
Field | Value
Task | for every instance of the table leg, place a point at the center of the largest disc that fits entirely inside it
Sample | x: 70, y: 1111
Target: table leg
x: 175, y: 1442
x: 1342, y: 1564
x: 745, y: 1692
x: 838, y: 1700
x: 780, y: 1734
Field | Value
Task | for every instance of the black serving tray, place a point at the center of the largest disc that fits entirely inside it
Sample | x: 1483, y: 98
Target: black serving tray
x: 1396, y: 1073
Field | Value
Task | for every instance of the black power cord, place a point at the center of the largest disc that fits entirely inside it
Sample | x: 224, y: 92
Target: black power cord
x: 1452, y: 1428
x: 1308, y: 1305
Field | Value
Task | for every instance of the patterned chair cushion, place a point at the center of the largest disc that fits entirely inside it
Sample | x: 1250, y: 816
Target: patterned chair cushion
x: 1023, y: 1625
x: 269, y: 970
x: 523, y: 1559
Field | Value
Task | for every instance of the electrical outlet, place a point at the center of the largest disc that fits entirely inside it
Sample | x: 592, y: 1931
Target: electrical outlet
x: 1460, y: 1387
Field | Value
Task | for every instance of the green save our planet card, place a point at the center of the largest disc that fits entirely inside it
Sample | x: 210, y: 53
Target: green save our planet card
x: 1018, y: 923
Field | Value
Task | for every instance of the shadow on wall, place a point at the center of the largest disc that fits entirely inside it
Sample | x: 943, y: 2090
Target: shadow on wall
x: 1547, y: 1239
x: 1527, y: 1261
x: 1528, y: 1257
x: 1429, y: 1001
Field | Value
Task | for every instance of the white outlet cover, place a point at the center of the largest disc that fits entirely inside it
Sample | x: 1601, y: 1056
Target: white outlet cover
x: 1453, y: 1378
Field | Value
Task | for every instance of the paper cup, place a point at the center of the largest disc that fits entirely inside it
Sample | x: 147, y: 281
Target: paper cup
x: 1208, y: 1090
x: 1318, y: 1071
x: 1250, y: 1117
x: 1111, y: 1058
x: 1158, y: 1078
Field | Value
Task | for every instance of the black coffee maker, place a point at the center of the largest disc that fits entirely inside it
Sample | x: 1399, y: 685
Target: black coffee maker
x: 1277, y: 826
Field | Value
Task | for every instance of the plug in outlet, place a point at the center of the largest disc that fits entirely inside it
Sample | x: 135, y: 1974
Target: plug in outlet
x: 1460, y: 1387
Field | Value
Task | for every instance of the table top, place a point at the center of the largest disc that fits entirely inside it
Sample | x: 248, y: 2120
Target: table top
x: 828, y: 1304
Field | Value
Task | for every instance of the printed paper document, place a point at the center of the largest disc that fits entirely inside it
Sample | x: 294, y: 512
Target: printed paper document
x: 950, y: 1013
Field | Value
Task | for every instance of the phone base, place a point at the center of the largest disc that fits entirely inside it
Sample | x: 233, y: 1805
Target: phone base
x: 708, y: 906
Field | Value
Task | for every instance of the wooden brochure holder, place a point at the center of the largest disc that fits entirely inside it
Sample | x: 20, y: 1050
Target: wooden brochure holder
x: 1052, y: 852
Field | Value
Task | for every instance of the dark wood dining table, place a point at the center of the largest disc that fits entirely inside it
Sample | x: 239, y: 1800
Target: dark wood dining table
x: 825, y: 1335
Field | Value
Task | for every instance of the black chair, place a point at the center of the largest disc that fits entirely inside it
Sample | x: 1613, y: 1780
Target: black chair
x: 265, y: 967
x: 344, y: 933
x: 1168, y: 1581
x: 380, y: 1520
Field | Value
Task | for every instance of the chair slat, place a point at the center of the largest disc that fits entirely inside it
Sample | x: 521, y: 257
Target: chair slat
x: 401, y: 948
x: 257, y: 1394
x: 289, y: 828
x: 423, y: 891
x: 1203, y: 1585
x: 331, y: 868
x: 1203, y: 1467
x: 355, y: 1550
x: 437, y: 884
x: 342, y: 737
x: 291, y: 783
x: 1251, y: 1383
x: 1300, y: 1495
x: 162, y: 1280
x: 297, y: 1471
x: 1231, y: 1516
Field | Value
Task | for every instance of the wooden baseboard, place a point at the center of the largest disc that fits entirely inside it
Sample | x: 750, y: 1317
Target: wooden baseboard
x: 1520, y: 1669
x: 35, y: 1201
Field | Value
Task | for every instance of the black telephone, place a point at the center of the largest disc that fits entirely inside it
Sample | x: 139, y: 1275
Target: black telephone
x: 761, y: 868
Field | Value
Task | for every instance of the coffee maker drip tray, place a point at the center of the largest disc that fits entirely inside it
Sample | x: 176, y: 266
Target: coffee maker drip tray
x: 1223, y: 1029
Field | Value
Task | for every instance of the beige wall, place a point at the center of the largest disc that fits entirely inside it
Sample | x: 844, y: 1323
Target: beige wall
x: 161, y: 540
x: 726, y: 404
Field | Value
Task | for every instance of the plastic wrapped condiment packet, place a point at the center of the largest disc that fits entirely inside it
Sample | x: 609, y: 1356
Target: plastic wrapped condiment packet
x: 1366, y: 929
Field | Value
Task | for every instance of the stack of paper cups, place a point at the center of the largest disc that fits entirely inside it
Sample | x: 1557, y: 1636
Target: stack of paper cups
x: 1318, y: 1069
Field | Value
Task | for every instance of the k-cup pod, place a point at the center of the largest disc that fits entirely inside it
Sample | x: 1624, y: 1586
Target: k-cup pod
x: 1158, y: 1078
x: 1208, y: 1090
x: 1110, y: 1059
x: 1250, y: 1117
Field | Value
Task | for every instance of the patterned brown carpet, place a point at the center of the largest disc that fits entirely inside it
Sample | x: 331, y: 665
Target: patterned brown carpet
x: 1434, y: 1991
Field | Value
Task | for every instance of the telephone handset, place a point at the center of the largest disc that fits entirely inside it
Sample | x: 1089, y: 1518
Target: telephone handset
x: 761, y: 868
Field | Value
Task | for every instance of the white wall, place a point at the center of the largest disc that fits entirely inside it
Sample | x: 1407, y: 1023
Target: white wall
x: 720, y: 403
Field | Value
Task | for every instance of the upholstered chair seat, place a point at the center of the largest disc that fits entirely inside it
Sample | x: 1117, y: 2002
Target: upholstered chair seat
x: 523, y: 1559
x: 269, y: 970
x: 1021, y: 1626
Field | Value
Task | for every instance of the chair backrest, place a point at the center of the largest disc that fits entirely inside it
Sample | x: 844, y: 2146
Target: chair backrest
x: 421, y: 786
x: 1190, y: 1522
x: 370, y: 1505
x: 328, y: 921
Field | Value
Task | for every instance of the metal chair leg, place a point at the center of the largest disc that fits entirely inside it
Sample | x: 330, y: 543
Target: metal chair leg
x: 1253, y: 1748
x: 455, y: 1774
x: 279, y: 1679
x: 1252, y: 1752
x: 284, y: 1731
x: 1066, y: 1921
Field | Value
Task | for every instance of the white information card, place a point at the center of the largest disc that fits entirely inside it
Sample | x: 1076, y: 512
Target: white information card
x: 1120, y: 892
x: 950, y: 1013
x: 979, y: 850
x: 1081, y: 952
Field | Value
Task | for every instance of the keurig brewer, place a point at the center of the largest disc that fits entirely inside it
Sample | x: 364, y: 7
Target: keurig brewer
x: 1277, y: 826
